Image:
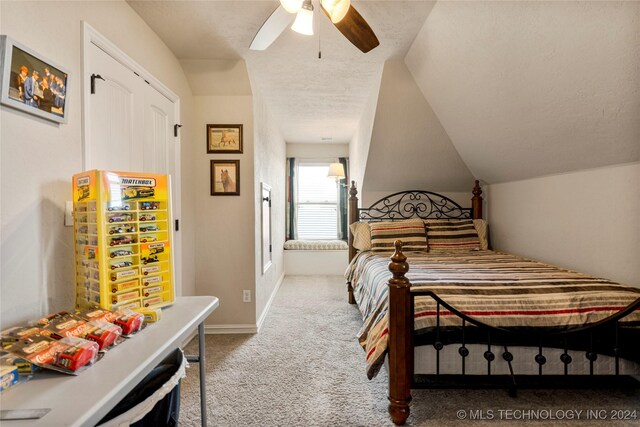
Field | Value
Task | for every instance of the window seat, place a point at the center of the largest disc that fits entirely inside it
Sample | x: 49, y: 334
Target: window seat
x: 315, y: 257
x: 316, y: 245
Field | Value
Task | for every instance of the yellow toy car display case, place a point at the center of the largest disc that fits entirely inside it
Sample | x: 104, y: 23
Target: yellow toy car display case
x: 122, y: 230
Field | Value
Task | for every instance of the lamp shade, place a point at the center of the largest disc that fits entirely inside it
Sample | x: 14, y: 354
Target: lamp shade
x: 304, y: 19
x: 337, y: 9
x: 336, y: 171
x: 291, y: 6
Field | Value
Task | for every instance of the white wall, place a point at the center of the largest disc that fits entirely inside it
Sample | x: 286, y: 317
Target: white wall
x: 38, y: 157
x: 317, y: 151
x: 409, y: 147
x: 270, y: 163
x: 359, y: 144
x: 224, y: 242
x: 587, y: 221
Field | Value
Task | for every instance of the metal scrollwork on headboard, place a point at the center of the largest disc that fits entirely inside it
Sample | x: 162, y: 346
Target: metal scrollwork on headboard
x: 414, y: 204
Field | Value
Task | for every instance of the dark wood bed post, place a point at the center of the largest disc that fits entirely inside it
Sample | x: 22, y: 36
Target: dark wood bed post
x: 353, y: 217
x: 400, y: 338
x: 476, y: 201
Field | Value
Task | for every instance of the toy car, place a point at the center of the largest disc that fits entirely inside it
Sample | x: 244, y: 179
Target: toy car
x: 121, y: 207
x: 156, y: 250
x: 83, y: 229
x: 121, y: 240
x: 79, y: 352
x: 121, y: 252
x: 150, y: 259
x: 145, y: 206
x: 104, y: 333
x: 131, y: 192
x: 147, y: 217
x: 125, y: 229
x: 121, y: 218
x: 121, y: 264
x: 145, y: 239
x: 130, y: 322
x: 149, y: 228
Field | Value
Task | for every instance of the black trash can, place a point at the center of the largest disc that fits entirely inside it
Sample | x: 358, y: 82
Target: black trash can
x: 155, y: 401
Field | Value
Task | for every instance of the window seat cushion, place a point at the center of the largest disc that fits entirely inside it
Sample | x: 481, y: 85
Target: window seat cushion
x: 316, y: 245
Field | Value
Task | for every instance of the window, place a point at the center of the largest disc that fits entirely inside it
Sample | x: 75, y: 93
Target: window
x: 317, y: 203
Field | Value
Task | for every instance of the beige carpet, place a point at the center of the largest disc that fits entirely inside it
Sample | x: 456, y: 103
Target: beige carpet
x: 305, y: 368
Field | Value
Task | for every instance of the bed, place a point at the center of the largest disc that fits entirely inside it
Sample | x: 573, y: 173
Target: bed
x: 460, y: 315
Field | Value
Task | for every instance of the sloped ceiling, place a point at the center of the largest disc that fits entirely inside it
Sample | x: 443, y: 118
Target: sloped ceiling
x: 525, y: 89
x: 409, y: 148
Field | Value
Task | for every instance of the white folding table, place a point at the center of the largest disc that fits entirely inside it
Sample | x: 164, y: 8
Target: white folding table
x: 85, y: 399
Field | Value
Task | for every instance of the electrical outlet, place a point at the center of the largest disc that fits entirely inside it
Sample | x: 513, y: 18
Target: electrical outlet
x: 246, y: 295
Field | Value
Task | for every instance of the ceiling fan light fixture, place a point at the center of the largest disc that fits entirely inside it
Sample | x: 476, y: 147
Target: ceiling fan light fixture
x: 304, y: 19
x: 291, y: 6
x: 336, y: 9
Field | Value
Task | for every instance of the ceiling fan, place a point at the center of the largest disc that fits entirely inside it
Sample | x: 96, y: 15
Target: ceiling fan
x: 343, y: 15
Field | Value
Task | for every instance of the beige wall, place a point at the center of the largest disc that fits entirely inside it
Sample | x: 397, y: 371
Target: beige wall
x: 39, y: 157
x: 586, y: 221
x: 269, y: 154
x: 224, y: 242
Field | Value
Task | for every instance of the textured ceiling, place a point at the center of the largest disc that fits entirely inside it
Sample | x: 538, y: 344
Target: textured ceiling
x: 525, y: 89
x: 313, y: 100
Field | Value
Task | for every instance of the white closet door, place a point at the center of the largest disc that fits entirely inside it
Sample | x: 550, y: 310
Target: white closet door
x: 130, y: 128
x: 116, y: 113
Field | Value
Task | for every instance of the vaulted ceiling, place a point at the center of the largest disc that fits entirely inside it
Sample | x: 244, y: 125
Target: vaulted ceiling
x: 494, y: 90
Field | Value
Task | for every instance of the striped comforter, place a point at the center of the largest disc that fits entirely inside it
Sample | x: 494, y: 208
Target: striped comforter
x: 495, y: 288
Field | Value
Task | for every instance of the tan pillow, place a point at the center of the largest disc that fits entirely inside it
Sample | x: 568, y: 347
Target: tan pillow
x: 361, y: 235
x: 481, y: 228
x: 410, y: 231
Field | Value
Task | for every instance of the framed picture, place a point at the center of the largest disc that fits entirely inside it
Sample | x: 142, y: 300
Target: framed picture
x: 225, y: 177
x: 224, y: 139
x: 32, y: 83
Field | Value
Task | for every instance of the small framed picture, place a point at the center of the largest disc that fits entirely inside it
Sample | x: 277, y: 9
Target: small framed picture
x: 32, y: 83
x: 225, y: 177
x: 224, y: 139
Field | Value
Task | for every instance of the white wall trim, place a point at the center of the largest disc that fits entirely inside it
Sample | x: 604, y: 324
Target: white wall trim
x: 267, y: 306
x: 230, y: 329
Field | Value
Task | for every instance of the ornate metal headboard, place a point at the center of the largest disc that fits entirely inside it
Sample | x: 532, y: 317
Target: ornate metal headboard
x: 413, y: 204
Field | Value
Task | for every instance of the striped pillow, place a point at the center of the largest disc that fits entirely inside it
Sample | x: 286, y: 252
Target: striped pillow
x: 411, y: 232
x: 452, y: 235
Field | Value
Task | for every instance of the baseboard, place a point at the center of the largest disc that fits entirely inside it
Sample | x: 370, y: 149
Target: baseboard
x: 230, y: 329
x: 246, y: 328
x: 267, y: 306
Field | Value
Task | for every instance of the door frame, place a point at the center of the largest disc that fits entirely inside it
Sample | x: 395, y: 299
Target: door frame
x: 91, y: 36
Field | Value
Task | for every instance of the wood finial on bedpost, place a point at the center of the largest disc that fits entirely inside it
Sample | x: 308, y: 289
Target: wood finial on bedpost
x: 400, y: 337
x: 476, y: 201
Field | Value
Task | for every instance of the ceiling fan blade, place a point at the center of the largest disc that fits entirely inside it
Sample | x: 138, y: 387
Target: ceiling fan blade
x: 354, y: 27
x: 271, y: 29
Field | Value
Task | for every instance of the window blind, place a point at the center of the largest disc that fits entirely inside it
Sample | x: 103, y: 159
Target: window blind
x: 317, y: 203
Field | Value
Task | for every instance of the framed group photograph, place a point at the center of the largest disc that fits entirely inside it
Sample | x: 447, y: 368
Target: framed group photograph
x: 32, y: 83
x: 225, y: 177
x: 224, y: 139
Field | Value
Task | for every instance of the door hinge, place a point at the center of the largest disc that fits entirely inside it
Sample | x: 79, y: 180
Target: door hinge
x: 175, y: 129
x: 177, y: 225
x: 270, y: 250
x: 93, y: 82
